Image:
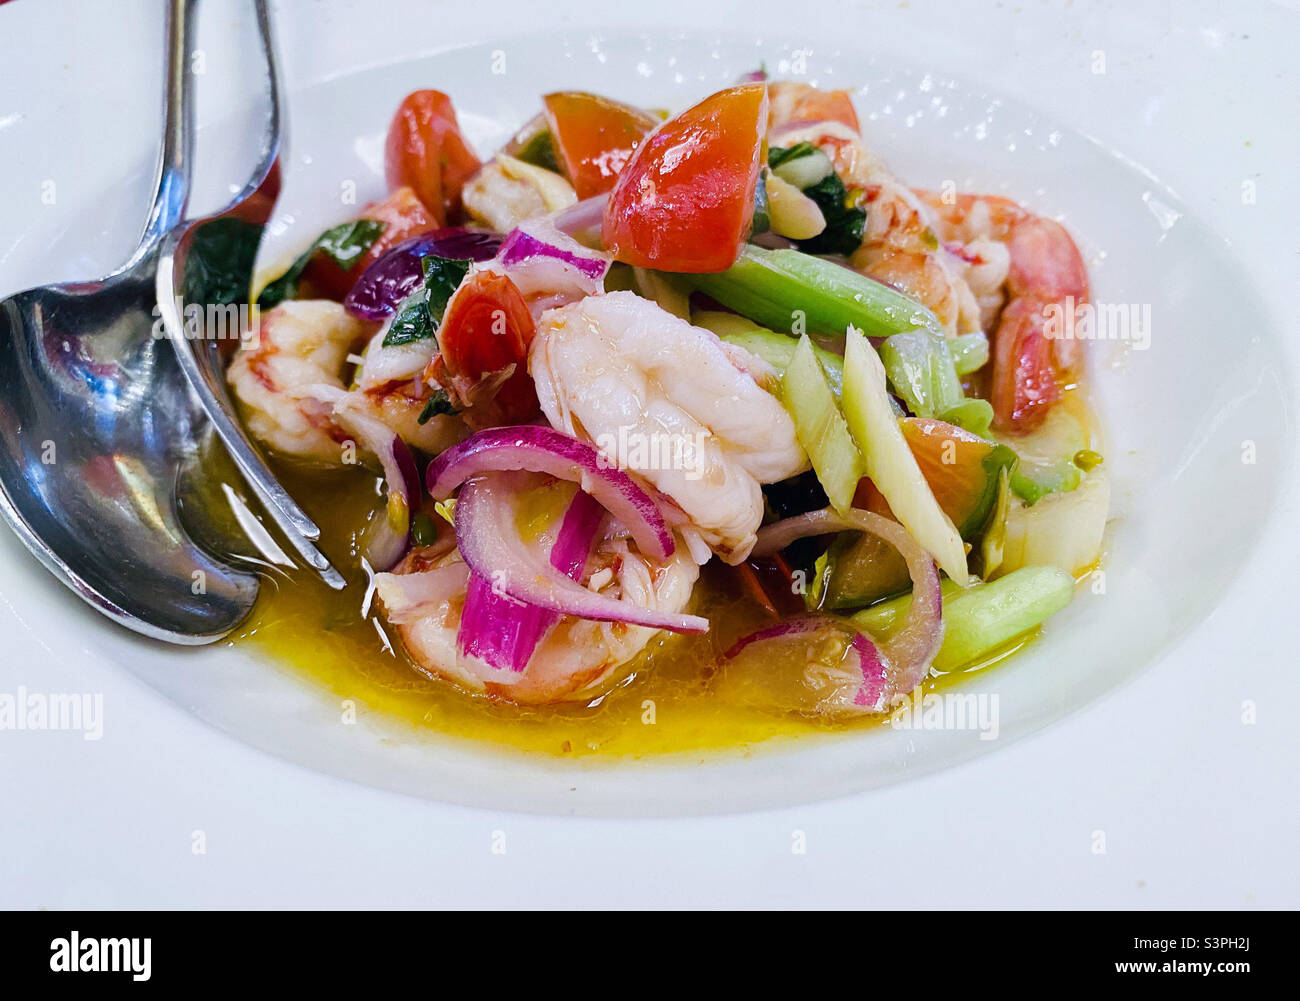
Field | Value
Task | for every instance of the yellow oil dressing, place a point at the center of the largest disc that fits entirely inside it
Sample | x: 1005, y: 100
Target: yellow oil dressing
x: 665, y: 704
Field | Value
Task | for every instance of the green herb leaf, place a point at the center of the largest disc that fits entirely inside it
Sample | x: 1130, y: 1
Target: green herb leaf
x: 442, y: 276
x: 420, y: 313
x: 219, y: 265
x: 438, y: 404
x: 539, y: 151
x: 345, y: 244
x: 349, y: 241
x: 412, y: 322
x: 844, y: 225
x: 778, y: 155
x: 423, y: 530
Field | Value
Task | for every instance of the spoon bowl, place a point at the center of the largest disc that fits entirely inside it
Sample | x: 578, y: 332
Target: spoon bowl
x: 100, y: 430
x: 96, y: 424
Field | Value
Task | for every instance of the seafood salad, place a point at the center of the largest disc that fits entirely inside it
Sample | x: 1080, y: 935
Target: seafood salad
x: 713, y: 395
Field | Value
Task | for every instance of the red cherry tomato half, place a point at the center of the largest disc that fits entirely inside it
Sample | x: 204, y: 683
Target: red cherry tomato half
x: 488, y: 326
x: 403, y: 216
x: 426, y: 152
x: 685, y: 200
x: 594, y: 138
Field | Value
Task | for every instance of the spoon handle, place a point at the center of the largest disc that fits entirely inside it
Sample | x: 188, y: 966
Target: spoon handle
x: 202, y: 362
x: 172, y: 178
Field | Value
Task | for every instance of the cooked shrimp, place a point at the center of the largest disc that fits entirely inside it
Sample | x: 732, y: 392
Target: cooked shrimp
x: 672, y: 403
x: 285, y: 375
x: 900, y: 245
x: 1043, y: 269
x: 390, y: 387
x: 577, y: 659
x: 791, y: 101
x: 299, y: 344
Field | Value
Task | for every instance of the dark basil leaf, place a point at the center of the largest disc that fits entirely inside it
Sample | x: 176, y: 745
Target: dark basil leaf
x: 777, y: 155
x: 539, y: 151
x: 219, y: 265
x: 438, y: 404
x: 442, y: 276
x: 412, y: 322
x: 844, y: 225
x: 286, y: 286
x: 348, y: 241
x: 344, y: 244
x: 420, y: 313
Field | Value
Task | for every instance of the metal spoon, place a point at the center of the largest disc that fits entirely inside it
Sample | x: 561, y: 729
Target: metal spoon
x: 194, y: 272
x: 96, y: 419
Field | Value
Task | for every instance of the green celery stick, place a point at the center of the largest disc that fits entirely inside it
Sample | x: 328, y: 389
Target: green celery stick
x: 980, y: 619
x: 787, y: 290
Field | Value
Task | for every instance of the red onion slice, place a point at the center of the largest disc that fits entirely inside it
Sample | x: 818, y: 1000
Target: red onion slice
x: 544, y: 450
x: 390, y: 537
x: 549, y: 267
x: 583, y: 218
x: 500, y: 633
x: 898, y: 665
x: 489, y: 542
x: 397, y: 273
x: 870, y: 692
x: 521, y: 246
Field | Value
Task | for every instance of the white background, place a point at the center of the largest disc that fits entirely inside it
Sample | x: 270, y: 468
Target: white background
x: 1197, y: 809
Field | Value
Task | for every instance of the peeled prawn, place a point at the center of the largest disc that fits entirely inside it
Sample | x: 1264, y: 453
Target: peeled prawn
x: 290, y: 376
x: 299, y: 344
x: 1044, y: 269
x: 672, y: 403
x: 577, y: 659
x: 900, y: 245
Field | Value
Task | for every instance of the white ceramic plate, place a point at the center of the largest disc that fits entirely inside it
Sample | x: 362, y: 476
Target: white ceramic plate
x: 1216, y: 384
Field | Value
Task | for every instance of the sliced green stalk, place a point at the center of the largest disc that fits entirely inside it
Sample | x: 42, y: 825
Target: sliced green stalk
x: 775, y: 349
x: 979, y: 620
x: 973, y: 415
x: 789, y: 290
x: 862, y: 568
x: 1063, y: 529
x: 1032, y: 481
x: 820, y: 427
x: 803, y: 165
x: 970, y: 352
x: 664, y: 289
x: 882, y: 618
x: 1047, y: 456
x: 889, y: 461
x: 995, y: 535
x: 919, y: 367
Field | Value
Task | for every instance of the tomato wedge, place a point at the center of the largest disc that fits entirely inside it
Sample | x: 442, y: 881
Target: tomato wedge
x: 594, y: 138
x: 403, y: 216
x: 961, y: 468
x: 426, y: 152
x: 685, y: 200
x: 487, y: 327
